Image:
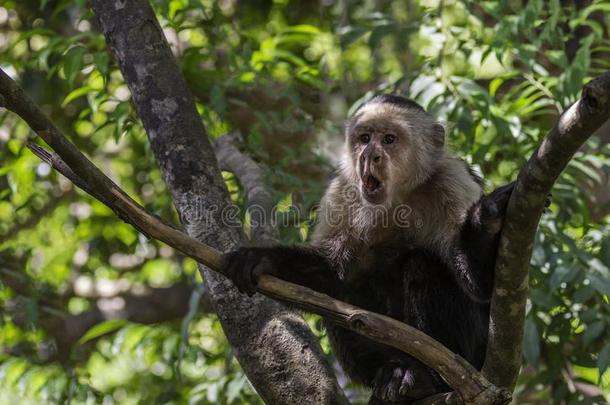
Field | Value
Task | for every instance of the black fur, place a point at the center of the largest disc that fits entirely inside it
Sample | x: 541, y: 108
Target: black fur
x: 413, y: 285
x: 394, y: 99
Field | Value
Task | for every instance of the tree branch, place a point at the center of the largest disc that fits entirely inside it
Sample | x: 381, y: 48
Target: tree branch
x: 139, y: 304
x: 152, y: 305
x: 525, y: 207
x: 252, y: 177
x: 459, y: 374
x: 445, y: 398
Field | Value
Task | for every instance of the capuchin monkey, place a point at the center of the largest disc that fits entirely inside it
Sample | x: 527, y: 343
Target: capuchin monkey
x: 403, y: 230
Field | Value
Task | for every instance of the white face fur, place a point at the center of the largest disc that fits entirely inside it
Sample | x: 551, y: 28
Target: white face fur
x: 392, y: 150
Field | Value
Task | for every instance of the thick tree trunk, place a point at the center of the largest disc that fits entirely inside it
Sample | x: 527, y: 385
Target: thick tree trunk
x: 268, y: 339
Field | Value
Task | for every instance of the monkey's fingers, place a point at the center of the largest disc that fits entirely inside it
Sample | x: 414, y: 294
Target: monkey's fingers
x: 264, y: 266
x: 392, y: 386
x: 501, y: 195
x: 239, y: 266
x: 382, y: 375
x: 489, y: 210
x: 389, y: 381
x: 407, y: 384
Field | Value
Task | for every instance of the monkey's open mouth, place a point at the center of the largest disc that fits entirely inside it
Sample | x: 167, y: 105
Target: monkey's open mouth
x: 371, y: 185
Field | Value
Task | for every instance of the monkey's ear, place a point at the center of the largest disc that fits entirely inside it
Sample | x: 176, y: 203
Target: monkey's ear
x: 438, y: 135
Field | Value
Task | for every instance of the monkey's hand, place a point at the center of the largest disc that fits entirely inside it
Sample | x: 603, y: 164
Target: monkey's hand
x: 245, y: 265
x: 493, y: 208
x: 396, y: 381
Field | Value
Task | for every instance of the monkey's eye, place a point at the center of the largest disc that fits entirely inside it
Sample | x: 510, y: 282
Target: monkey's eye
x: 365, y: 138
x: 389, y: 138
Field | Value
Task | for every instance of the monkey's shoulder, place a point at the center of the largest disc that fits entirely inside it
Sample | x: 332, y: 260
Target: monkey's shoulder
x: 451, y: 190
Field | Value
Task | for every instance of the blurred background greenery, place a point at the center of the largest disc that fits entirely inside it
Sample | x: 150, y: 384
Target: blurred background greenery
x: 93, y: 312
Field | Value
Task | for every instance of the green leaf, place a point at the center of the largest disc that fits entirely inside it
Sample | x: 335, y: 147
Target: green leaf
x: 584, y: 294
x: 101, y: 61
x: 561, y: 275
x: 73, y: 61
x: 74, y: 94
x: 470, y: 88
x: 605, y: 251
x: 378, y: 34
x: 592, y: 332
x: 575, y: 74
x: 494, y: 85
x: 102, y: 329
x: 600, y: 283
x: 234, y: 388
x: 304, y: 29
x: 217, y: 99
x: 543, y: 299
x: 603, y: 360
x: 531, y: 342
x: 584, y: 14
x: 350, y: 35
x: 284, y: 204
x: 587, y: 171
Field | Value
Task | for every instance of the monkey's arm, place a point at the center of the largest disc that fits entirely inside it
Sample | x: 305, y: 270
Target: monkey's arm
x: 300, y: 265
x: 475, y: 256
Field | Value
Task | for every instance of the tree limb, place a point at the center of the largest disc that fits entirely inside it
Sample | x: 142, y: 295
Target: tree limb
x: 152, y: 305
x: 139, y: 304
x: 445, y: 398
x: 252, y: 177
x: 525, y: 207
x: 459, y: 374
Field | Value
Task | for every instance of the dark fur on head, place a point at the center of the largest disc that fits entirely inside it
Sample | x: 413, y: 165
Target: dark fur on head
x: 395, y: 99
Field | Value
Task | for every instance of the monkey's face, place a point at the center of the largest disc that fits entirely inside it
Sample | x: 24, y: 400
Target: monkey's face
x: 372, y: 148
x: 392, y: 150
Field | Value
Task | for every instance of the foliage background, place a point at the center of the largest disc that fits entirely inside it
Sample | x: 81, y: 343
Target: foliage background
x: 285, y: 73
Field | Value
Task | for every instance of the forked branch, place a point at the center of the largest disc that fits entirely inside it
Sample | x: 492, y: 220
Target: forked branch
x: 574, y: 127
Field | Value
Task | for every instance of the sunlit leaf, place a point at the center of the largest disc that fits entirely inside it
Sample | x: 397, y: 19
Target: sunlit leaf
x: 102, y: 329
x: 76, y: 93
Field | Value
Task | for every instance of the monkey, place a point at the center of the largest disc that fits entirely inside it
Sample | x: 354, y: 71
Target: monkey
x: 404, y: 230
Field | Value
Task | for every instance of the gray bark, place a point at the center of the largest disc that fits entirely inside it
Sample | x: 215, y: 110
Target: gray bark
x: 276, y: 349
x: 251, y: 175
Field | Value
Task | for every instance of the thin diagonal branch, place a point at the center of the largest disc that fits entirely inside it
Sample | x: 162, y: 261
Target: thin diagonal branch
x: 252, y: 177
x: 459, y: 374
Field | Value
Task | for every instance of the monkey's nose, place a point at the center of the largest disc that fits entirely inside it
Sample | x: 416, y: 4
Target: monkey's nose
x: 376, y: 158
